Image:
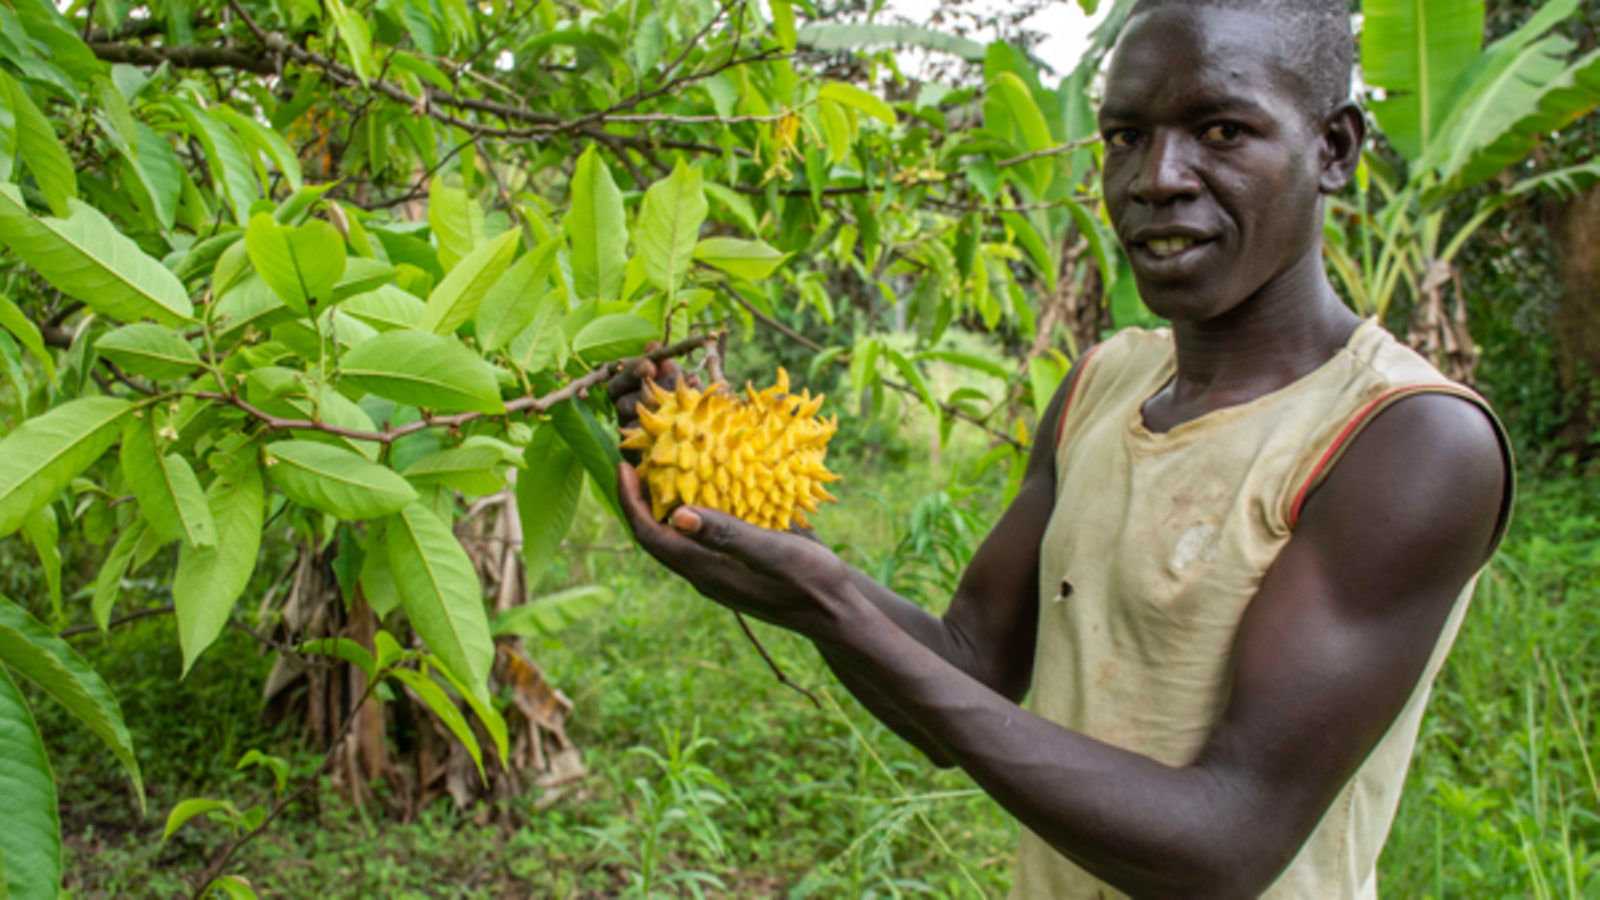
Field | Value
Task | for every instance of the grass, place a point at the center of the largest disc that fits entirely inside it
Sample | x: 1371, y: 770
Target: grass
x: 710, y: 779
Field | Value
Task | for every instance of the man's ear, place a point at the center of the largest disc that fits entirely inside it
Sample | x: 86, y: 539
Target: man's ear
x: 1344, y: 133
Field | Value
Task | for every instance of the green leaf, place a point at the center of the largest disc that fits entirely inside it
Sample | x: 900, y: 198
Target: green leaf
x: 913, y: 375
x: 857, y: 98
x: 437, y: 700
x: 42, y: 456
x: 456, y: 221
x: 737, y: 204
x: 145, y: 348
x: 750, y: 260
x: 169, y: 494
x: 30, y: 844
x: 595, y: 446
x: 456, y: 298
x: 541, y: 344
x: 1414, y: 50
x: 109, y: 582
x: 276, y: 764
x: 343, y: 648
x: 195, y: 806
x: 36, y: 654
x: 301, y: 264
x: 376, y: 578
x: 853, y: 36
x: 440, y: 593
x: 13, y: 319
x: 669, y: 226
x: 548, y: 492
x: 1010, y: 91
x: 597, y: 228
x: 207, y: 582
x: 40, y: 149
x: 335, y: 481
x: 386, y: 309
x: 613, y: 337
x: 277, y: 149
x: 968, y: 361
x: 234, y: 885
x: 44, y: 533
x: 232, y: 176
x: 422, y: 369
x: 470, y: 470
x: 1028, y: 237
x: 1044, y: 376
x: 545, y: 616
x: 87, y: 258
x: 514, y: 299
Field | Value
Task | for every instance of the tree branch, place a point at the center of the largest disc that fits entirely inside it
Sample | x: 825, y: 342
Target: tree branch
x: 578, y: 387
x: 1068, y: 147
x: 184, y: 57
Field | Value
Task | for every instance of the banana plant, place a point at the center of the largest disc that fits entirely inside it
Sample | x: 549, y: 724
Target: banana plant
x: 1458, y: 114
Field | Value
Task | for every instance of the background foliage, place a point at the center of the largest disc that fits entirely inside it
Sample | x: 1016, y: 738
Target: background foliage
x: 300, y: 305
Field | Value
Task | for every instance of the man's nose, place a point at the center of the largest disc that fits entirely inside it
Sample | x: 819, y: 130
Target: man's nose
x: 1165, y: 171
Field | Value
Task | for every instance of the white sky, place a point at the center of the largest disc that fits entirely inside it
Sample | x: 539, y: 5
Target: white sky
x: 1063, y: 22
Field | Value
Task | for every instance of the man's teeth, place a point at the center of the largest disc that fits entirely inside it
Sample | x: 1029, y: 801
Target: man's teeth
x: 1169, y: 246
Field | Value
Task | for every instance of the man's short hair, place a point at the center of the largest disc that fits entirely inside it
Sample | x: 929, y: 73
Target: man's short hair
x: 1315, y: 42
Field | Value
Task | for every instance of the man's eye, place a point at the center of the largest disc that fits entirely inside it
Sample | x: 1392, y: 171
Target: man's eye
x: 1222, y: 132
x: 1121, y: 138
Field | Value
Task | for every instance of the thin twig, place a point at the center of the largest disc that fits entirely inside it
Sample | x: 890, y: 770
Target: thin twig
x: 771, y: 663
x: 1068, y: 147
x: 119, y: 620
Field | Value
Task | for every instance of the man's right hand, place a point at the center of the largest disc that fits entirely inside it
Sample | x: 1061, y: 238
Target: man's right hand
x: 626, y: 389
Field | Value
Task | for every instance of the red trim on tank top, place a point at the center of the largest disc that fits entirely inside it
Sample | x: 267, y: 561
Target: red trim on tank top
x: 1083, y: 364
x: 1349, y: 431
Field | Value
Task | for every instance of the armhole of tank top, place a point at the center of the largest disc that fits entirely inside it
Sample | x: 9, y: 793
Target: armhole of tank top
x: 1072, y: 392
x: 1369, y: 412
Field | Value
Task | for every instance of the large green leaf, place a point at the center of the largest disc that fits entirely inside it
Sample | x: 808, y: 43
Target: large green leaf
x: 440, y: 593
x: 514, y: 299
x: 750, y: 260
x: 27, y: 646
x: 357, y: 38
x: 13, y: 319
x: 40, y: 149
x: 542, y: 343
x: 456, y: 220
x: 1031, y: 128
x: 145, y: 348
x: 169, y: 494
x: 437, y: 700
x: 422, y: 369
x: 1414, y: 50
x: 87, y: 258
x: 44, y: 454
x: 301, y: 264
x: 43, y: 531
x: 545, y: 616
x: 613, y: 337
x: 828, y: 36
x: 108, y: 583
x: 1534, y: 110
x: 857, y: 98
x: 456, y: 298
x: 548, y: 491
x: 207, y: 582
x: 669, y: 226
x: 595, y: 447
x: 30, y: 842
x: 385, y: 309
x: 470, y: 470
x: 336, y: 481
x: 231, y: 173
x: 597, y: 228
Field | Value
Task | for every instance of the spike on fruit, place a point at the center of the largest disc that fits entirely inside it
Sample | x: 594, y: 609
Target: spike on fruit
x: 758, y: 454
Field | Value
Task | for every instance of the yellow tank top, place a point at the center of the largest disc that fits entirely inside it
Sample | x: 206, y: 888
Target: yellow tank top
x: 1156, y: 547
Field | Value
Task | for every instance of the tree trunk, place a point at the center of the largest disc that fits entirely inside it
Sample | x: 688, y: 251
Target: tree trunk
x: 1575, y: 324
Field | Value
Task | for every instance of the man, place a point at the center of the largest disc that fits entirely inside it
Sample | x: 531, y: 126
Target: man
x: 1230, y: 579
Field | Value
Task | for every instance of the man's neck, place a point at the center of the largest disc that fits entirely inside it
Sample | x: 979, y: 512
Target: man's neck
x: 1284, y: 332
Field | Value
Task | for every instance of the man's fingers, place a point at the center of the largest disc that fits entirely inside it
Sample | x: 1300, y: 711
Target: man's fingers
x: 757, y: 547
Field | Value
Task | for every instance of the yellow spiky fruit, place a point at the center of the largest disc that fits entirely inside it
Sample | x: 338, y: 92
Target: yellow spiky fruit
x: 758, y: 457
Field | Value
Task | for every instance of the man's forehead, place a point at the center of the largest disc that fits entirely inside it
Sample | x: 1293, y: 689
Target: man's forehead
x: 1207, y: 59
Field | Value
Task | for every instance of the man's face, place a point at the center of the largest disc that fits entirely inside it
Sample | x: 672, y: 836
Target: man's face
x: 1212, y: 164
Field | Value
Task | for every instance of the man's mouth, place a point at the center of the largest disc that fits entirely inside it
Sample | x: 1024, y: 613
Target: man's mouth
x: 1164, y: 247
